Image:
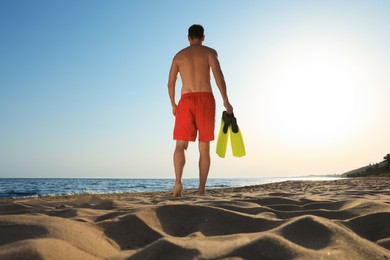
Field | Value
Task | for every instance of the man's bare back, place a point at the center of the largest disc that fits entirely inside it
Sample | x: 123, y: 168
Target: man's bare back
x: 194, y: 64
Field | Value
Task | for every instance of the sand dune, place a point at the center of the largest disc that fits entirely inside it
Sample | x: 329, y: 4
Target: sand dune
x: 343, y: 219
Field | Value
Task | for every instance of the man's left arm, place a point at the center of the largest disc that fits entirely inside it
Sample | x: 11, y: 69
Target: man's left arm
x: 220, y: 80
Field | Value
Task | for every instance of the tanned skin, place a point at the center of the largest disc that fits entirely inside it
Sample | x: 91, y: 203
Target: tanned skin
x: 194, y: 64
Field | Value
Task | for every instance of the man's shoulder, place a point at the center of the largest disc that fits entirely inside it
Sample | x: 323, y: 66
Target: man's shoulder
x: 209, y: 49
x: 181, y: 52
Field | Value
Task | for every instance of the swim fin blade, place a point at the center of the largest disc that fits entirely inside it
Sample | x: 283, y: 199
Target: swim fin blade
x: 223, y: 135
x: 237, y: 142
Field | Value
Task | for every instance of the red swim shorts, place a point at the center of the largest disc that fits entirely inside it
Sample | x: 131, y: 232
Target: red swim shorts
x: 195, y: 113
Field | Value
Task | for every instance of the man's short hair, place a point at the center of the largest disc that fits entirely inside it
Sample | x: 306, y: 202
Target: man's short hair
x: 196, y: 31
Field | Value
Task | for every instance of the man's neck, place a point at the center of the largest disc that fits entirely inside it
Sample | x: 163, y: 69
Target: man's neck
x: 195, y: 42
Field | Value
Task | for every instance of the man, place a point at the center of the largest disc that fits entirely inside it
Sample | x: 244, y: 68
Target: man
x: 196, y: 109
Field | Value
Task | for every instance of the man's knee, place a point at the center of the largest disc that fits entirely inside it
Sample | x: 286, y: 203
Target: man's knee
x: 204, y: 147
x: 181, y: 145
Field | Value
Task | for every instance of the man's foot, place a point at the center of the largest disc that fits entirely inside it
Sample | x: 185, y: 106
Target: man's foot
x: 177, y: 190
x: 201, y: 192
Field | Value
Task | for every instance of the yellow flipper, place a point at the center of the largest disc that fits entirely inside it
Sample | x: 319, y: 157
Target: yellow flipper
x: 229, y: 127
x: 222, y: 140
x: 237, y: 142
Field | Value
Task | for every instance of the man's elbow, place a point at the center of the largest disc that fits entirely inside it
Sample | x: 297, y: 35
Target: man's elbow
x: 171, y: 85
x: 220, y: 80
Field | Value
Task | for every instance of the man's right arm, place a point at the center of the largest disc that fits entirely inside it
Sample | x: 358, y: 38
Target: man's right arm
x: 220, y: 80
x: 172, y: 84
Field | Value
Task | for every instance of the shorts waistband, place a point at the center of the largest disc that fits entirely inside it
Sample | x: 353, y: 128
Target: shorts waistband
x: 195, y: 94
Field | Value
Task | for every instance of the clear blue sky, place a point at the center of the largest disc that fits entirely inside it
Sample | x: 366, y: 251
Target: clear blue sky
x: 83, y: 85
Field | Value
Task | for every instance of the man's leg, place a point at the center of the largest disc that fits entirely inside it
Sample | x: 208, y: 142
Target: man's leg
x: 179, y: 160
x: 204, y: 165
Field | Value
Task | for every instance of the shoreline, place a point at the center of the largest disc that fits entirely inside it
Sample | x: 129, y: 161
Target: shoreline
x: 355, y: 181
x: 57, y: 187
x: 338, y: 219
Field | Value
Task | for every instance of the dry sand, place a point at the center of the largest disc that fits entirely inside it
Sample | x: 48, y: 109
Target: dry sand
x: 343, y: 219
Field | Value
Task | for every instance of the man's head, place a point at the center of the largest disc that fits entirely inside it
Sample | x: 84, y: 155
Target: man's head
x: 196, y: 31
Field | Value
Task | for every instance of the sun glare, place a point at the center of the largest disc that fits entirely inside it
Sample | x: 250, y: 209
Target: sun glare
x: 316, y: 94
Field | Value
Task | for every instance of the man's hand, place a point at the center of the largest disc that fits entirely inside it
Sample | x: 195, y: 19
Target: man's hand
x: 174, y: 109
x: 228, y: 106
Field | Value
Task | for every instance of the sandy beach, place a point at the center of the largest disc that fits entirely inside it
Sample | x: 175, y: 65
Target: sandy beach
x: 341, y: 219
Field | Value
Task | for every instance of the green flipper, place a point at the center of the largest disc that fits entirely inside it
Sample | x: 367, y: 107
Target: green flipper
x: 229, y: 127
x: 238, y: 147
x: 222, y: 140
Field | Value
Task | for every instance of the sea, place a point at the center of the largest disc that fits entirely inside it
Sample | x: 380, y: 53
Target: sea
x: 40, y: 187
